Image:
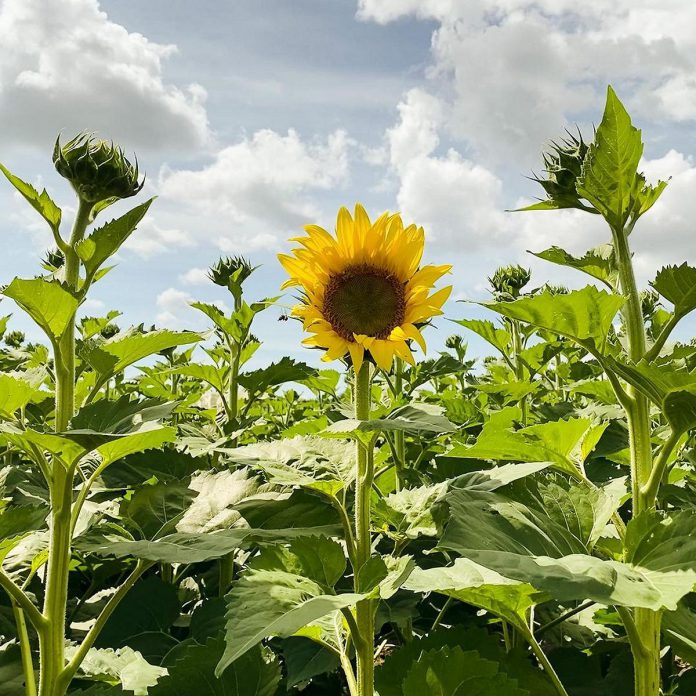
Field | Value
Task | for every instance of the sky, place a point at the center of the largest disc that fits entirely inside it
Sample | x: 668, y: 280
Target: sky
x: 253, y: 118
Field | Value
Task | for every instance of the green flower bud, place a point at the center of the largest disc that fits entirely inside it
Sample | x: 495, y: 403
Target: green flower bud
x: 97, y: 169
x: 233, y: 270
x: 110, y: 330
x: 453, y: 342
x: 53, y: 260
x: 556, y: 289
x: 649, y: 302
x: 14, y: 339
x: 563, y: 165
x: 508, y: 281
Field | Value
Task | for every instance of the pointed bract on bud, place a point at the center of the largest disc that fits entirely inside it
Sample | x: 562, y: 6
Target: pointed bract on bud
x: 508, y: 281
x: 563, y: 165
x: 556, y: 289
x: 233, y: 269
x: 97, y: 169
x: 649, y: 302
x: 54, y: 260
x: 14, y: 339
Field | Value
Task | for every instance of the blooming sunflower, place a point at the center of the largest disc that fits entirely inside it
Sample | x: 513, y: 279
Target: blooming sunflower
x: 363, y: 290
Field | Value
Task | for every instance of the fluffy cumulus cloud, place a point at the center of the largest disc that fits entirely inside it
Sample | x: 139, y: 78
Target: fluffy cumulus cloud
x: 511, y: 72
x: 256, y: 190
x: 67, y: 66
x: 150, y: 239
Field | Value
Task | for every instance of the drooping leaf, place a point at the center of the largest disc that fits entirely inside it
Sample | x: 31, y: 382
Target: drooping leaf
x: 585, y: 316
x: 305, y: 659
x: 156, y: 509
x: 46, y: 301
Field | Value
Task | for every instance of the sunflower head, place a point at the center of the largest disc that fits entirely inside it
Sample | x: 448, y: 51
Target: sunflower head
x: 363, y: 289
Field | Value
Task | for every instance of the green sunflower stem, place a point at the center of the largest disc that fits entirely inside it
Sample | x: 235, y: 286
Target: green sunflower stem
x: 399, y: 442
x: 364, y: 610
x: 645, y: 641
x: 52, y: 637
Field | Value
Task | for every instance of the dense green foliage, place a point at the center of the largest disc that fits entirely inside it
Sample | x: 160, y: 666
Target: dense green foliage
x: 173, y: 522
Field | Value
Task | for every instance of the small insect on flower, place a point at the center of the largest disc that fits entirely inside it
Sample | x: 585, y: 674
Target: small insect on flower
x: 97, y: 169
x: 363, y: 290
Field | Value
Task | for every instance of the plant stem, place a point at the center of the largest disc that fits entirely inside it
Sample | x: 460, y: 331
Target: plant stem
x: 69, y: 671
x: 52, y: 638
x: 544, y: 661
x: 399, y: 442
x: 364, y: 610
x: 645, y: 642
x: 564, y: 617
x: 25, y: 650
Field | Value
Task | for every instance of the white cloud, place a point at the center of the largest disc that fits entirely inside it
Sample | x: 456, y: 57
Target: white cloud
x: 150, y: 239
x: 259, y: 188
x: 457, y: 201
x: 511, y: 72
x: 195, y: 276
x: 67, y: 66
x: 174, y: 306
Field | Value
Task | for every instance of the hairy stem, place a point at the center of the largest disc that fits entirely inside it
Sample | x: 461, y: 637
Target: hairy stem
x: 645, y: 641
x: 25, y: 650
x: 364, y: 611
x: 52, y: 639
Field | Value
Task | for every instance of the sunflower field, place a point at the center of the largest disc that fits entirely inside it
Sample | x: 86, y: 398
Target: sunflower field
x: 175, y: 523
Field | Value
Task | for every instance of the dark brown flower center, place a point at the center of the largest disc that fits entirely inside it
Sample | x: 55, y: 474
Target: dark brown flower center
x: 364, y: 300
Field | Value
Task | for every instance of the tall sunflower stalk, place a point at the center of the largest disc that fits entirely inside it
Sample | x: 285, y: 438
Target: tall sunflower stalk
x: 365, y: 298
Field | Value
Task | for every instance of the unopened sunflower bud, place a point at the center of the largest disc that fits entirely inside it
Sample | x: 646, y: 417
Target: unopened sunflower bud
x: 508, y: 281
x: 97, y: 169
x: 233, y: 269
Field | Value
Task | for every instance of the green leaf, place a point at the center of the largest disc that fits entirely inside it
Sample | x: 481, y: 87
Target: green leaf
x: 314, y: 463
x: 218, y: 496
x: 124, y: 665
x: 210, y: 374
x: 497, y: 476
x: 46, y: 302
x: 600, y: 262
x: 18, y: 389
x: 285, y: 370
x: 155, y: 509
x: 189, y: 548
x: 256, y: 673
x: 114, y: 355
x: 413, y: 418
x: 152, y: 605
x: 515, y: 663
x: 523, y: 544
x: 266, y: 603
x: 677, y: 284
x: 408, y: 512
x: 498, y: 338
x: 314, y: 557
x: 305, y: 659
x: 565, y: 443
x: 106, y: 240
x: 41, y: 202
x: 585, y: 316
x: 608, y: 179
x: 672, y: 390
x: 453, y: 672
x: 482, y: 587
x: 11, y: 673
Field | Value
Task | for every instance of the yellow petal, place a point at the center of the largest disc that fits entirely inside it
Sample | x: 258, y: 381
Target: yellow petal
x: 383, y: 353
x: 357, y: 353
